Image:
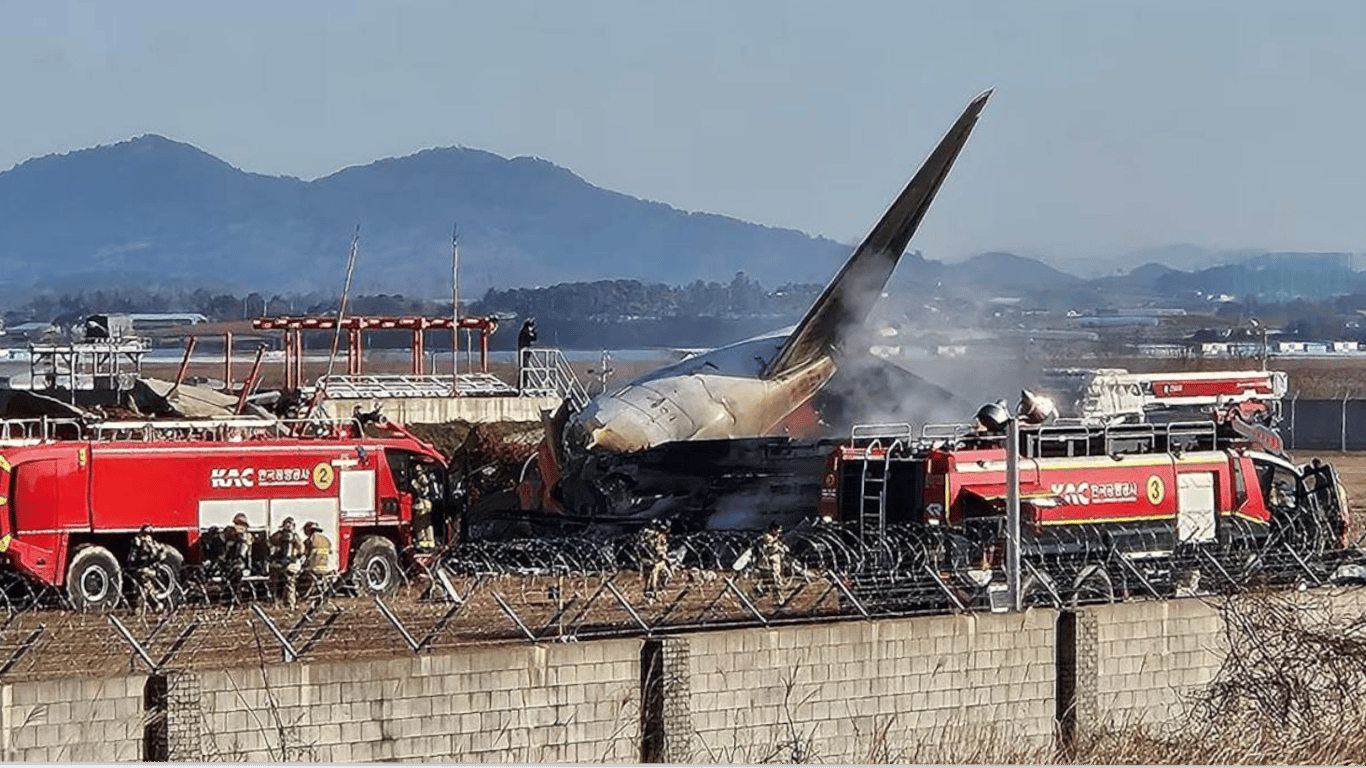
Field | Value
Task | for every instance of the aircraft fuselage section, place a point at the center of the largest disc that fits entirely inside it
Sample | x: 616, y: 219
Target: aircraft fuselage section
x: 715, y: 395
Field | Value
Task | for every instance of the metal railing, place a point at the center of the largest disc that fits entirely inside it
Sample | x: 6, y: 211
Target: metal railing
x: 544, y: 371
x: 408, y: 385
x: 15, y: 432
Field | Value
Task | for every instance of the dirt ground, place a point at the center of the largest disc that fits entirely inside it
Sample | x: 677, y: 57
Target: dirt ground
x: 548, y: 607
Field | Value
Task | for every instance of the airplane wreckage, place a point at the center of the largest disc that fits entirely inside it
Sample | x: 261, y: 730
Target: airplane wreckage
x: 736, y: 438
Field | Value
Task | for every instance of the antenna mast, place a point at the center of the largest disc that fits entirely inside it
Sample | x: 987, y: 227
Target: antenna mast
x: 346, y: 291
x: 455, y: 305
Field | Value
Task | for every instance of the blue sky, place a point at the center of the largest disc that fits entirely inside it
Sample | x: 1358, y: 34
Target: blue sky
x: 1115, y: 125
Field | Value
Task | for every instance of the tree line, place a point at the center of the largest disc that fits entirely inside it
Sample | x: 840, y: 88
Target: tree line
x: 617, y: 313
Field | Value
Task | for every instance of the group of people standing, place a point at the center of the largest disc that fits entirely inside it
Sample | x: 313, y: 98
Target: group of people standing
x: 228, y: 553
x: 768, y: 554
x: 291, y: 558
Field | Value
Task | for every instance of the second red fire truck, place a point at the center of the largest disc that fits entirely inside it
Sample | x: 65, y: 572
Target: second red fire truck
x: 1141, y: 504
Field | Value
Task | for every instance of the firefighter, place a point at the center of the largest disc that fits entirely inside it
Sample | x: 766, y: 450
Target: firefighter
x: 211, y: 547
x: 243, y: 526
x: 654, y: 557
x: 286, y: 561
x: 525, y: 339
x: 770, y: 551
x: 233, y: 560
x: 423, y: 491
x: 143, y: 557
x: 317, y: 560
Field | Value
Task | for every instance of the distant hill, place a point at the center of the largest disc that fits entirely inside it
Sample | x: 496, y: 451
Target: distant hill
x: 1012, y: 273
x: 152, y: 206
x: 152, y: 211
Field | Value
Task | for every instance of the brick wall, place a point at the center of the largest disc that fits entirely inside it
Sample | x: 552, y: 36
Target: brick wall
x: 1140, y: 662
x: 556, y: 703
x: 868, y: 691
x: 73, y: 719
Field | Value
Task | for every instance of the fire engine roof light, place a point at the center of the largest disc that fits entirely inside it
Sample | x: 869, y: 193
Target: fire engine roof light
x: 994, y: 416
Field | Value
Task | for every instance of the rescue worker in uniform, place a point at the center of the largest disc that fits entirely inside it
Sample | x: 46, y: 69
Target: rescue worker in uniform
x: 654, y: 557
x: 317, y: 560
x: 286, y: 561
x: 770, y: 552
x: 423, y: 491
x: 525, y: 339
x: 211, y: 549
x: 144, y: 555
x: 240, y: 522
x: 235, y: 554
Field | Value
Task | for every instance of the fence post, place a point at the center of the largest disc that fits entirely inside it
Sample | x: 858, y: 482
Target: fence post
x: 1293, y: 401
x: 1344, y: 423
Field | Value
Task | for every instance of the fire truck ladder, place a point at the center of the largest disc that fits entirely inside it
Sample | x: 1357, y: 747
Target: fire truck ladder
x: 873, y: 479
x: 872, y: 520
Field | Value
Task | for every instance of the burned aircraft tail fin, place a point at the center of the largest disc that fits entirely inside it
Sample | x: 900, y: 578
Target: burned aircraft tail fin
x: 850, y: 296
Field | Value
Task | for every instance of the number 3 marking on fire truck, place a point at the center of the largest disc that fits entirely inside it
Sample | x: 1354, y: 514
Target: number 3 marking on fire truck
x: 1156, y: 490
x: 323, y: 476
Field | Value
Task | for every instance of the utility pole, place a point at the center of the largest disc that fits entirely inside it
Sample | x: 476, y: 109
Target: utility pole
x: 1013, y: 513
x: 455, y: 307
x: 341, y: 308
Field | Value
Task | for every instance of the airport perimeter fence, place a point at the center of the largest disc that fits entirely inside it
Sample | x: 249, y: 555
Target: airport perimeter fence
x: 1325, y: 425
x: 568, y: 589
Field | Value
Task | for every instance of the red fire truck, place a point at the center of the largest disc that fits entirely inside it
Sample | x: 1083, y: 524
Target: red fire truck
x: 71, y: 502
x: 1124, y: 502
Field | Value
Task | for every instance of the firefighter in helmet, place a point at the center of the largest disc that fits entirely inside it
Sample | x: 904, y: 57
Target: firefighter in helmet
x: 654, y: 557
x: 424, y: 489
x: 286, y: 561
x: 770, y: 551
x: 144, y: 555
x: 317, y: 560
x: 235, y: 556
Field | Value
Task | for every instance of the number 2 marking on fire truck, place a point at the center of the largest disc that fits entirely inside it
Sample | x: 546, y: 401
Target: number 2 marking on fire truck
x: 323, y: 475
x: 1156, y: 490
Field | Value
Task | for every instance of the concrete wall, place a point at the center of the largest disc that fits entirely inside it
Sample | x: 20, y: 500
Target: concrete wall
x: 866, y: 691
x: 551, y: 703
x: 73, y: 719
x: 1140, y: 662
x: 924, y: 689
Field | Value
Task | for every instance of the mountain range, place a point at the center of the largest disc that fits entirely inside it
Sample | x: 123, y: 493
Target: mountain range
x: 156, y: 208
x: 152, y: 210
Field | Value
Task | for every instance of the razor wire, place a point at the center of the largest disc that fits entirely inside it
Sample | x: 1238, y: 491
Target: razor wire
x: 582, y: 587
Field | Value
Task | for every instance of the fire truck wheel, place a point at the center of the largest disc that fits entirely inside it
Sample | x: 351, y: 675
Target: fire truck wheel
x: 93, y: 579
x: 170, y: 591
x: 375, y: 566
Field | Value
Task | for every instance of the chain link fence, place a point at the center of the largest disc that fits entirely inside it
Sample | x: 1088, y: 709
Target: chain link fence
x: 576, y: 588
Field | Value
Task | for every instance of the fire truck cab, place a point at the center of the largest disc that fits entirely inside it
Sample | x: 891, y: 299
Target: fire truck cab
x: 69, y: 508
